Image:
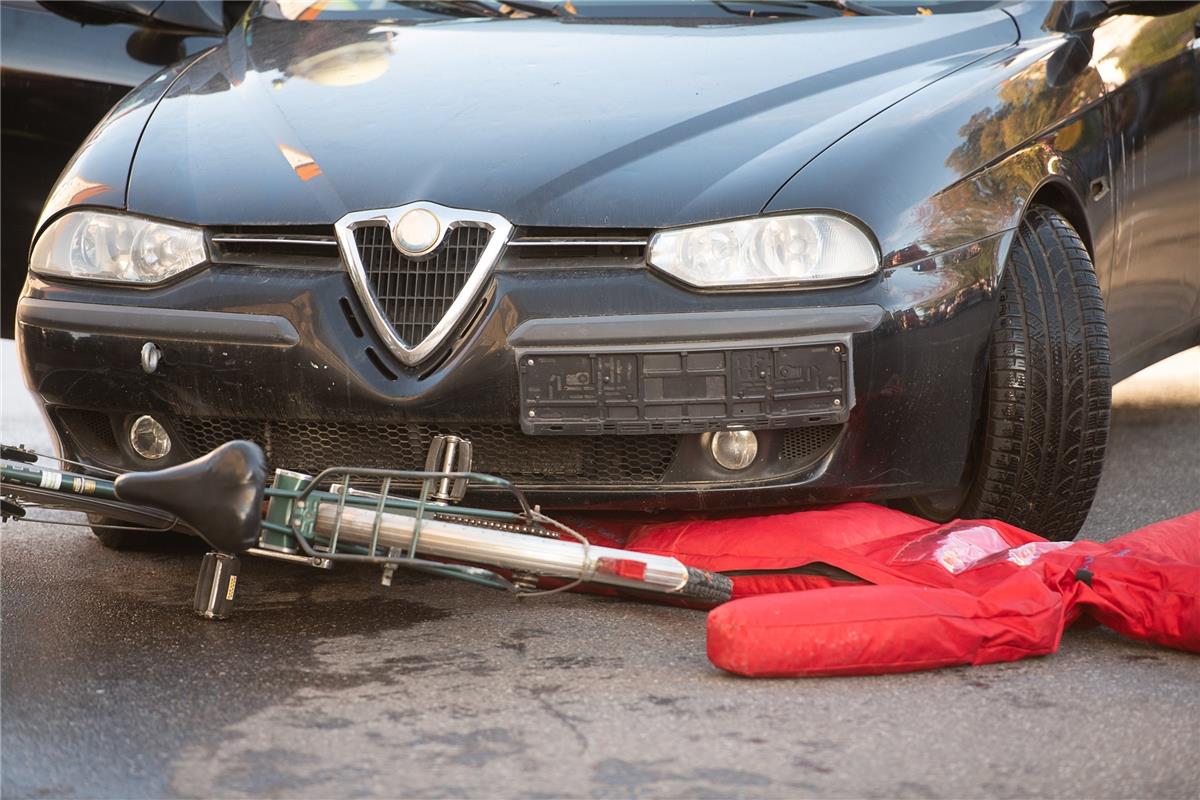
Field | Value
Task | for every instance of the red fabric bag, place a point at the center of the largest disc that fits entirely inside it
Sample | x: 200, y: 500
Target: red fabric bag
x: 1146, y: 584
x: 879, y: 629
x: 858, y: 588
x: 965, y: 593
x: 780, y: 552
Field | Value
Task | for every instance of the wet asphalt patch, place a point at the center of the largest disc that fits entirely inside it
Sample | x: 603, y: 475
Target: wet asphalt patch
x: 326, y: 684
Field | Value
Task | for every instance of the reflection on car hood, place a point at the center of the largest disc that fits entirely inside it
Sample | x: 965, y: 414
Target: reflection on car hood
x: 547, y: 122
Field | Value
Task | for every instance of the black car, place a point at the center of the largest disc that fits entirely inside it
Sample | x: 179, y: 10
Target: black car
x: 643, y: 255
x: 63, y: 65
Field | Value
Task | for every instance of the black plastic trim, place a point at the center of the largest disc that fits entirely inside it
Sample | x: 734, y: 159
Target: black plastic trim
x: 641, y: 329
x: 747, y: 373
x: 170, y: 323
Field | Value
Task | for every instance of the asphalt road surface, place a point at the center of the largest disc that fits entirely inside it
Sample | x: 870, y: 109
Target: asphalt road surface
x: 330, y: 685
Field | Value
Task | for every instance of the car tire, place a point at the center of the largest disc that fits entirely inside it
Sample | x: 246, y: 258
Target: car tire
x: 1043, y: 429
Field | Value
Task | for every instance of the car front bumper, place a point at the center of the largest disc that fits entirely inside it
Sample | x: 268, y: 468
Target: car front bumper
x: 282, y: 356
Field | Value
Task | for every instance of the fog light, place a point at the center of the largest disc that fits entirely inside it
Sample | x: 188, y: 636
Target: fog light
x: 148, y: 438
x: 734, y: 449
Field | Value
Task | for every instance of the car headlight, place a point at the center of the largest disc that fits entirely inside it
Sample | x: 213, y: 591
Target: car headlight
x: 107, y: 246
x: 783, y: 250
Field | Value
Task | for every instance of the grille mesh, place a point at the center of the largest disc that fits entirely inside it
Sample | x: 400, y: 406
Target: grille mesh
x: 310, y: 446
x: 91, y: 429
x: 804, y: 445
x: 415, y: 293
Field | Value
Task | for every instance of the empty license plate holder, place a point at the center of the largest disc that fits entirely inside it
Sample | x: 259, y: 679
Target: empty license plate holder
x: 678, y: 389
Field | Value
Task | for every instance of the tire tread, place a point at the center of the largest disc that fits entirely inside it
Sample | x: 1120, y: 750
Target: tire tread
x: 1049, y: 386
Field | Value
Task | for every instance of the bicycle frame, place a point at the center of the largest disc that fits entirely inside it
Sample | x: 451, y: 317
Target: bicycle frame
x: 325, y: 519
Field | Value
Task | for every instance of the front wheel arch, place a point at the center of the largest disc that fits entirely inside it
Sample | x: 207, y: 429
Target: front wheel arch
x: 1044, y: 416
x: 1059, y: 195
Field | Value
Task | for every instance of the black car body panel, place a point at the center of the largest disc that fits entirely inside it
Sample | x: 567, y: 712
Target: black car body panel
x: 555, y: 124
x: 907, y: 367
x: 58, y: 78
x: 936, y: 132
x: 1043, y: 117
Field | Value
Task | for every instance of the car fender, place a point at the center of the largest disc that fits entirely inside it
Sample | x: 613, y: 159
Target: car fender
x: 960, y: 161
x: 98, y: 173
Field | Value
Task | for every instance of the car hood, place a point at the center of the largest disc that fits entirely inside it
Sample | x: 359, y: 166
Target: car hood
x: 546, y: 121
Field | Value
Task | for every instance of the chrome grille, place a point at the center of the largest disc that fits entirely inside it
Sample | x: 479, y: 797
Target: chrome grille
x: 415, y: 293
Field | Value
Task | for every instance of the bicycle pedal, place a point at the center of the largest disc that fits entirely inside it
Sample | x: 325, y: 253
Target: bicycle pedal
x: 216, y: 585
x: 448, y: 454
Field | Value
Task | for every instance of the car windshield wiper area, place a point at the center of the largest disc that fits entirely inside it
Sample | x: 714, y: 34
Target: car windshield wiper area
x: 631, y: 11
x: 800, y: 8
x: 473, y: 9
x: 618, y: 9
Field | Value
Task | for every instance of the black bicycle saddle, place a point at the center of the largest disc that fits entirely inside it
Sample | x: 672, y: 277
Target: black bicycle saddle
x: 219, y: 495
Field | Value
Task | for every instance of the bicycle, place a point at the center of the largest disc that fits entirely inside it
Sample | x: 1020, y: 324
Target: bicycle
x: 347, y: 514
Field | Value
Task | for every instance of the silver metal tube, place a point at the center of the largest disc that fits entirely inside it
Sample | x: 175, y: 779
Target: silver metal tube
x: 295, y: 558
x: 447, y: 465
x: 542, y: 556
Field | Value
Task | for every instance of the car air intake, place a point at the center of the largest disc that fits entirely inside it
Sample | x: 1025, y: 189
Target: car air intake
x: 310, y: 446
x: 414, y: 293
x: 501, y: 449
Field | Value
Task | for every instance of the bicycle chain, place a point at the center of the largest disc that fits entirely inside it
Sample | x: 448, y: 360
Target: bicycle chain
x: 511, y: 527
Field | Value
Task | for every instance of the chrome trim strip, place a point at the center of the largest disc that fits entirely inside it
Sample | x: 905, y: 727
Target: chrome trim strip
x: 412, y: 354
x: 157, y: 323
x: 235, y: 239
x: 580, y: 242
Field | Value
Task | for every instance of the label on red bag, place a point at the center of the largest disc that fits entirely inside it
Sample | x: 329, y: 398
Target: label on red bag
x: 966, y: 546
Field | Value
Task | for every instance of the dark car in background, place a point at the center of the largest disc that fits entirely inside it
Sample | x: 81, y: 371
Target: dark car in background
x: 642, y: 255
x: 63, y: 65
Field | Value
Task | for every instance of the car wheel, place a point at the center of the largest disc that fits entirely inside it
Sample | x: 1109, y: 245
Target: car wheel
x: 1039, y: 449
